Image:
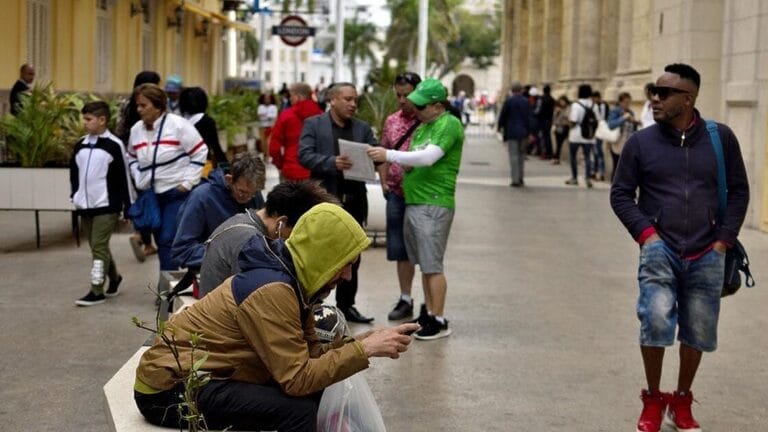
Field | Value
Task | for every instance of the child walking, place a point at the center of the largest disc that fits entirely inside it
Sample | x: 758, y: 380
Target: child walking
x: 99, y: 192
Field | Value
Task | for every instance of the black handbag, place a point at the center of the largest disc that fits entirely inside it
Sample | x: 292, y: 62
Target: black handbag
x: 736, y: 259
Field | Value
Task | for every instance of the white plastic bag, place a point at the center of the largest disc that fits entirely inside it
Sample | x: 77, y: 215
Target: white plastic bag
x: 349, y: 406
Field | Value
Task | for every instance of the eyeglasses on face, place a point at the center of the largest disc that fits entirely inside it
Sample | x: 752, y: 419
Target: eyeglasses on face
x: 663, y: 92
x: 408, y: 78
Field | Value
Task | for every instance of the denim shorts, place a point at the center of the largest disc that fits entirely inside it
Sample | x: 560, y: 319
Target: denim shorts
x: 395, y: 217
x: 426, y: 232
x: 676, y: 292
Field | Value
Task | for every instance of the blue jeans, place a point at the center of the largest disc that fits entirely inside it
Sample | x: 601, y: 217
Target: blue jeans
x: 395, y: 216
x: 598, y: 162
x: 679, y: 292
x: 587, y: 149
x: 170, y: 201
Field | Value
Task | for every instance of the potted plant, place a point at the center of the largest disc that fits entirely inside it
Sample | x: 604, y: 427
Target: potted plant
x: 40, y: 138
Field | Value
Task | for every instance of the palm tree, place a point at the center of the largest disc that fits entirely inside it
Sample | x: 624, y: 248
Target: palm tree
x: 359, y: 37
x: 402, y: 36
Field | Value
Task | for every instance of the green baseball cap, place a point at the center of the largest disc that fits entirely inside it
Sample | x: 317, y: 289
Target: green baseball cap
x: 429, y: 91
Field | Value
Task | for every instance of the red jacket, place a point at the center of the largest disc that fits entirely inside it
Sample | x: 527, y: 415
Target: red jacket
x: 284, y: 141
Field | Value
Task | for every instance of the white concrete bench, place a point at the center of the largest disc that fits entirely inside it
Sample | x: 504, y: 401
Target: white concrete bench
x: 122, y: 413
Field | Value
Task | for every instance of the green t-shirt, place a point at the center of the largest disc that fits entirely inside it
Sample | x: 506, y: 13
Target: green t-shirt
x: 436, y: 184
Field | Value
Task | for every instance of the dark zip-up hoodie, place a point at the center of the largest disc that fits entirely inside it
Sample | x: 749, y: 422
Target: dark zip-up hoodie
x: 676, y: 175
x: 208, y: 206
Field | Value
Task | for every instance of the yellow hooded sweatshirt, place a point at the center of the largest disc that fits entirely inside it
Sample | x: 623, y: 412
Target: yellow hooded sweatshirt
x: 260, y: 332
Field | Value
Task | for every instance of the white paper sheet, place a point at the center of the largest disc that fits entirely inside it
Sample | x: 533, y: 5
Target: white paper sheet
x: 362, y: 166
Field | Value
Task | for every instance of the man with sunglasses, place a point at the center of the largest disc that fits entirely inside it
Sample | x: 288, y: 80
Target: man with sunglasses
x: 673, y: 165
x: 430, y: 189
x: 396, y: 135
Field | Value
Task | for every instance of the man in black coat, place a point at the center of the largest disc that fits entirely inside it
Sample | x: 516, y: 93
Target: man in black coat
x: 26, y: 77
x: 319, y: 153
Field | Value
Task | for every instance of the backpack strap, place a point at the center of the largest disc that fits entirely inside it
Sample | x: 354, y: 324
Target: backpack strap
x: 722, y: 191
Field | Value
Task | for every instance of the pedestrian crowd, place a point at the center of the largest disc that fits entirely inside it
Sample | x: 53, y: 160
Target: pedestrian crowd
x: 261, y: 266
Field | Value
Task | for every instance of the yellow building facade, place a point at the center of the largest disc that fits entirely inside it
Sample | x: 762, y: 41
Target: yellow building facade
x: 99, y: 45
x: 619, y: 45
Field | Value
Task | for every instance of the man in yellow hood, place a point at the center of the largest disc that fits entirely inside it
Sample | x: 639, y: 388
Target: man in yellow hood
x: 267, y: 366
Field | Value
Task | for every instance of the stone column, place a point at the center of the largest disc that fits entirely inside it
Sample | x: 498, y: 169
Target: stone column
x: 587, y: 23
x: 553, y: 33
x: 535, y: 39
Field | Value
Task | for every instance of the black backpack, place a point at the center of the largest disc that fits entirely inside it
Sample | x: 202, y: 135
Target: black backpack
x: 588, y: 123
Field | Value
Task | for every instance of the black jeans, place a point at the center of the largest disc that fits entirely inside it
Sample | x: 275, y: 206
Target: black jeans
x: 243, y: 406
x: 356, y: 204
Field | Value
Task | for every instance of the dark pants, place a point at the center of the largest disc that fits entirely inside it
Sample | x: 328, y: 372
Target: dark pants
x: 545, y: 141
x: 243, y: 406
x: 356, y: 204
x: 170, y: 202
x: 587, y: 149
x: 560, y: 138
x: 615, y: 158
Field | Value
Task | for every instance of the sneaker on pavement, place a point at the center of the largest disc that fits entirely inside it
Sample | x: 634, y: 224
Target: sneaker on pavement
x: 137, y: 247
x: 402, y: 310
x: 91, y: 299
x: 654, y: 405
x: 422, y: 318
x: 433, y: 329
x: 113, y: 286
x: 679, y: 412
x: 572, y: 182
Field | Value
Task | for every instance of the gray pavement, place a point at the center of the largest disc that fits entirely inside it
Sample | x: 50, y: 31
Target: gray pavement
x: 541, y: 292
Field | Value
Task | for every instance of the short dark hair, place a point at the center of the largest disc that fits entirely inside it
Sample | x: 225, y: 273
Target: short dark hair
x: 263, y: 98
x: 624, y: 95
x: 596, y: 94
x: 334, y: 88
x: 585, y: 91
x: 547, y: 89
x: 193, y: 100
x: 97, y: 108
x: 154, y: 94
x: 685, y: 72
x: 249, y: 166
x: 408, y: 78
x: 294, y: 198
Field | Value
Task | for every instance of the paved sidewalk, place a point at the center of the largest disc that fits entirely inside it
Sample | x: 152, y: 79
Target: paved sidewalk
x: 541, y: 292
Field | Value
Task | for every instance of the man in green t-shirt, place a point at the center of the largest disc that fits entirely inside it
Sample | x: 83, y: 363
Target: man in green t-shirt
x: 430, y: 188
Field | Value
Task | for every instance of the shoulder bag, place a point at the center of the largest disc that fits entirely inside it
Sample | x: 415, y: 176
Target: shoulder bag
x: 145, y: 211
x: 736, y: 259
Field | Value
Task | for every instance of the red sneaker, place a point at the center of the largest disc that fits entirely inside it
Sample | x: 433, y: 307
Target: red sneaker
x: 679, y: 413
x: 654, y: 405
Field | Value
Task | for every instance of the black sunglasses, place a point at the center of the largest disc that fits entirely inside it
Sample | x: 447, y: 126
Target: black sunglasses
x: 663, y: 92
x: 421, y: 107
x: 408, y: 78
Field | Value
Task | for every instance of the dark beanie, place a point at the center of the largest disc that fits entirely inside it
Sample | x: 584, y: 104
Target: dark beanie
x: 145, y: 77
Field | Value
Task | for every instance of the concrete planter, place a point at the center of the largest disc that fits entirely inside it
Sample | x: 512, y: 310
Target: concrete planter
x: 34, y: 189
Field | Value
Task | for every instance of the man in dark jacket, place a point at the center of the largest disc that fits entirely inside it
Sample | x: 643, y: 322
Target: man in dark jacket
x: 213, y: 202
x: 24, y: 83
x: 319, y: 153
x: 683, y: 242
x: 515, y: 124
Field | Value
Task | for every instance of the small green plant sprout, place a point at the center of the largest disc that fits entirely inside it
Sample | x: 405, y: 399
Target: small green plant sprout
x: 192, y: 377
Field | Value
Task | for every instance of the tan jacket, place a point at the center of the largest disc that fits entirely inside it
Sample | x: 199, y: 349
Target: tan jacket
x: 261, y: 341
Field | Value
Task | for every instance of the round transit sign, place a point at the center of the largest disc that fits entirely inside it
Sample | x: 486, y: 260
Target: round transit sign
x: 293, y: 30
